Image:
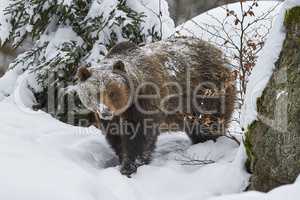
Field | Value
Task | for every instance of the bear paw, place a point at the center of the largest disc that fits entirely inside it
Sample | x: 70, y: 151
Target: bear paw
x: 144, y: 160
x: 128, y: 168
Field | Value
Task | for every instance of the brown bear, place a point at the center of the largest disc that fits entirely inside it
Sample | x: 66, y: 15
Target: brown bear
x: 137, y: 92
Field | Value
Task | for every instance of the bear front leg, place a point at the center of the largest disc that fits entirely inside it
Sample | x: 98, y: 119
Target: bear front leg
x: 129, y: 155
x: 116, y: 145
x: 128, y: 167
x: 132, y: 146
x: 151, y: 134
x: 199, y: 133
x: 112, y: 128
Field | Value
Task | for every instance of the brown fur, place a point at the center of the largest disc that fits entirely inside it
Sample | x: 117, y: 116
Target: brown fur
x: 115, y: 96
x: 188, y: 62
x: 83, y: 73
x: 209, y: 66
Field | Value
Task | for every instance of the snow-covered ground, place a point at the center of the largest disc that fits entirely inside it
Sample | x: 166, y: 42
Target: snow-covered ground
x: 42, y: 158
x: 287, y: 192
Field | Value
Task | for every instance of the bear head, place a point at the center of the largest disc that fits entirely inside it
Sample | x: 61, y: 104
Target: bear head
x: 104, y: 91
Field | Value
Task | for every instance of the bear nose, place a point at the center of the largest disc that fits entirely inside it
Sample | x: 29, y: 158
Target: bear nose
x: 106, y: 113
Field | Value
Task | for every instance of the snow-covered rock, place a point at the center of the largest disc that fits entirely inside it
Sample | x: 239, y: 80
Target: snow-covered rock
x: 265, y: 64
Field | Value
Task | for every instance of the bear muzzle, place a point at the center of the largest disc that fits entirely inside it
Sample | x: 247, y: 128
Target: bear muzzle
x: 104, y: 112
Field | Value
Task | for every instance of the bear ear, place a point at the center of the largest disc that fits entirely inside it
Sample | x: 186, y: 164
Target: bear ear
x: 118, y: 67
x: 83, y: 73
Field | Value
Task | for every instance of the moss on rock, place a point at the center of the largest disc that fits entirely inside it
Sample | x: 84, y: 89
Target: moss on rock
x: 292, y: 16
x: 248, y: 147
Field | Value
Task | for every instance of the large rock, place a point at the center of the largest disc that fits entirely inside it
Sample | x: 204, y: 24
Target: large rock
x: 275, y: 146
x: 184, y: 10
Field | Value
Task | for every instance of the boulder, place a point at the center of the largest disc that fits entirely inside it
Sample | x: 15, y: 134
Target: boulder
x: 274, y: 148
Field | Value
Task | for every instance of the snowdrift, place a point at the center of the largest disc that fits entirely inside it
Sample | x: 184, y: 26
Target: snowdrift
x: 42, y: 158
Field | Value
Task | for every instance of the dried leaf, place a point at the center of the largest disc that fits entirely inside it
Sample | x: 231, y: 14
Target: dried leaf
x: 251, y: 13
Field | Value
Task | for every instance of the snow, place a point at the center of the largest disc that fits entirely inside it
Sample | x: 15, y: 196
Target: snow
x: 5, y: 26
x: 65, y: 2
x: 52, y: 160
x: 152, y: 10
x: 280, y: 94
x: 265, y: 65
x: 7, y: 83
x: 16, y: 82
x: 156, y: 15
x: 287, y: 192
x: 58, y: 38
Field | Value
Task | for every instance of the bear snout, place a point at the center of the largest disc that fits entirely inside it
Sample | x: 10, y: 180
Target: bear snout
x: 104, y: 112
x: 106, y: 115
